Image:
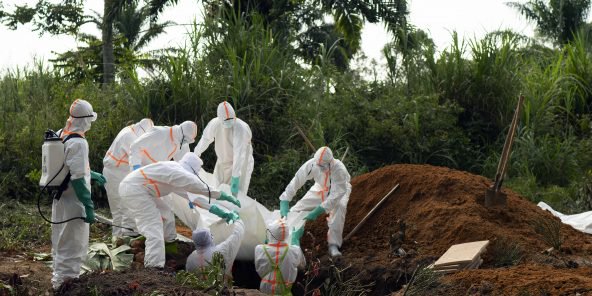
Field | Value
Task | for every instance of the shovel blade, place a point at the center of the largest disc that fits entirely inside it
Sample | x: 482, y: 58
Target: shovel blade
x: 495, y: 198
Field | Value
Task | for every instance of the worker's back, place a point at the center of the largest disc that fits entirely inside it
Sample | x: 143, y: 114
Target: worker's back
x: 277, y: 262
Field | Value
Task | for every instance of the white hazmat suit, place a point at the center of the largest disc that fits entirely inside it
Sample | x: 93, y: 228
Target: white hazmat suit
x: 277, y: 262
x: 331, y: 191
x: 116, y: 167
x: 142, y: 191
x: 232, y: 138
x: 69, y: 241
x: 205, y: 247
x: 163, y: 143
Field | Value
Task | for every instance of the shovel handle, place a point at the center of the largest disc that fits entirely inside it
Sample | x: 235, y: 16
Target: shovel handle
x: 503, y: 163
x: 370, y: 213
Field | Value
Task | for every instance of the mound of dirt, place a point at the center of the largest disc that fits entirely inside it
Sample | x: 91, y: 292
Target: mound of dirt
x: 519, y: 280
x: 440, y: 207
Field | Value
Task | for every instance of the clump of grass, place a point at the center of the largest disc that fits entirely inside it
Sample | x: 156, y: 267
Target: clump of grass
x: 423, y: 280
x: 336, y: 284
x: 550, y: 230
x: 506, y: 252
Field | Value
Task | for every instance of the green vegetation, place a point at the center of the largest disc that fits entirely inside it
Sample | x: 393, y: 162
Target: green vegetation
x: 550, y: 230
x: 19, y: 228
x: 449, y: 108
x: 506, y: 252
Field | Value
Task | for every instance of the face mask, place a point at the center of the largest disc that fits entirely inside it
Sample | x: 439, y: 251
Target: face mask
x: 86, y: 123
x: 324, y: 167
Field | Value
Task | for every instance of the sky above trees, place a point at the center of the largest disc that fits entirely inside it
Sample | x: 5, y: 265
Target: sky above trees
x: 439, y: 18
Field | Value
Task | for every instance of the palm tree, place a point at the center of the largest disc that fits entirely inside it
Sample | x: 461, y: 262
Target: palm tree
x: 137, y: 29
x: 132, y: 30
x: 302, y: 23
x: 112, y: 9
x: 557, y: 20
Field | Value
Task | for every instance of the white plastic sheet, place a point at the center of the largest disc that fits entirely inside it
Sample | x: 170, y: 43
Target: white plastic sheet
x: 254, y: 215
x: 581, y: 221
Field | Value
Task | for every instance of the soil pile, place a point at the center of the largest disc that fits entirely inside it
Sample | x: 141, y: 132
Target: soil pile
x: 440, y: 207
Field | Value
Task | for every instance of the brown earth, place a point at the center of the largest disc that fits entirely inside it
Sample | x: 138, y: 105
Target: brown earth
x: 23, y: 275
x: 129, y: 282
x: 184, y: 231
x: 526, y: 279
x: 442, y: 207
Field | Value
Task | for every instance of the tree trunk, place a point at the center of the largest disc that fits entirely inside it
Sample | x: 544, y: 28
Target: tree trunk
x: 107, y: 36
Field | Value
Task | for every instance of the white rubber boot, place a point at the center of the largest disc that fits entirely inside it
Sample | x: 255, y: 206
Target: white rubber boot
x: 334, y: 251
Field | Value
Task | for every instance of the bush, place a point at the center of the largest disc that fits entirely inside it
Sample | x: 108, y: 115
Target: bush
x: 506, y: 252
x: 550, y: 230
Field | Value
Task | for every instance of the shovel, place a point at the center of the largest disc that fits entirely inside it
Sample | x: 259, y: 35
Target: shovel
x: 494, y: 196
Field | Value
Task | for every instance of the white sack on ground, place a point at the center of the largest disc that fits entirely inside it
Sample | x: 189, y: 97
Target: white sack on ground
x: 581, y: 221
x: 254, y: 215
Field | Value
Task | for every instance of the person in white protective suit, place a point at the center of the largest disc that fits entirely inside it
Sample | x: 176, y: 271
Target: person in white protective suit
x: 69, y: 241
x: 163, y: 143
x: 276, y: 261
x: 116, y: 167
x: 232, y: 137
x: 142, y: 191
x: 205, y: 247
x: 329, y: 194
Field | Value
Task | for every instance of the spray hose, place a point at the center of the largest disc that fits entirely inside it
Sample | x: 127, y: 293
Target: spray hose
x: 59, y: 193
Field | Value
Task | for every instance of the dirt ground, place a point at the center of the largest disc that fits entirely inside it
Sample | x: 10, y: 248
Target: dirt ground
x: 441, y: 207
x: 25, y: 276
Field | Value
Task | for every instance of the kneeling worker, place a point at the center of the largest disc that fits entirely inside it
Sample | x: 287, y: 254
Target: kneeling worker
x: 205, y: 247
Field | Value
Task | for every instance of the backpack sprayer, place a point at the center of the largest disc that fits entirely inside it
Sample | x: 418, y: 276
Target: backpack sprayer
x: 54, y: 176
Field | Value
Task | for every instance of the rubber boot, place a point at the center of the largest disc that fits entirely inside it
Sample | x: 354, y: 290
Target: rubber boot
x: 334, y: 251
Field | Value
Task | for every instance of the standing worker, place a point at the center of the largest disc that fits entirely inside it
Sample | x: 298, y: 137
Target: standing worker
x: 163, y: 143
x: 142, y: 191
x: 234, y: 165
x: 69, y: 240
x: 329, y: 194
x: 205, y: 247
x: 116, y: 167
x: 277, y: 262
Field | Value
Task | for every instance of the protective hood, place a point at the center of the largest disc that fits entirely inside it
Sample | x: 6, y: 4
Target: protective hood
x: 226, y: 114
x: 188, y: 132
x: 143, y: 126
x: 81, y: 117
x: 278, y: 231
x: 323, y: 157
x: 191, y: 162
x: 203, y: 239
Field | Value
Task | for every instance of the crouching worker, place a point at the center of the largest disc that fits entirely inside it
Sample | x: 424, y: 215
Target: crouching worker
x: 141, y: 193
x: 329, y: 194
x: 69, y: 241
x: 277, y: 262
x: 205, y: 247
